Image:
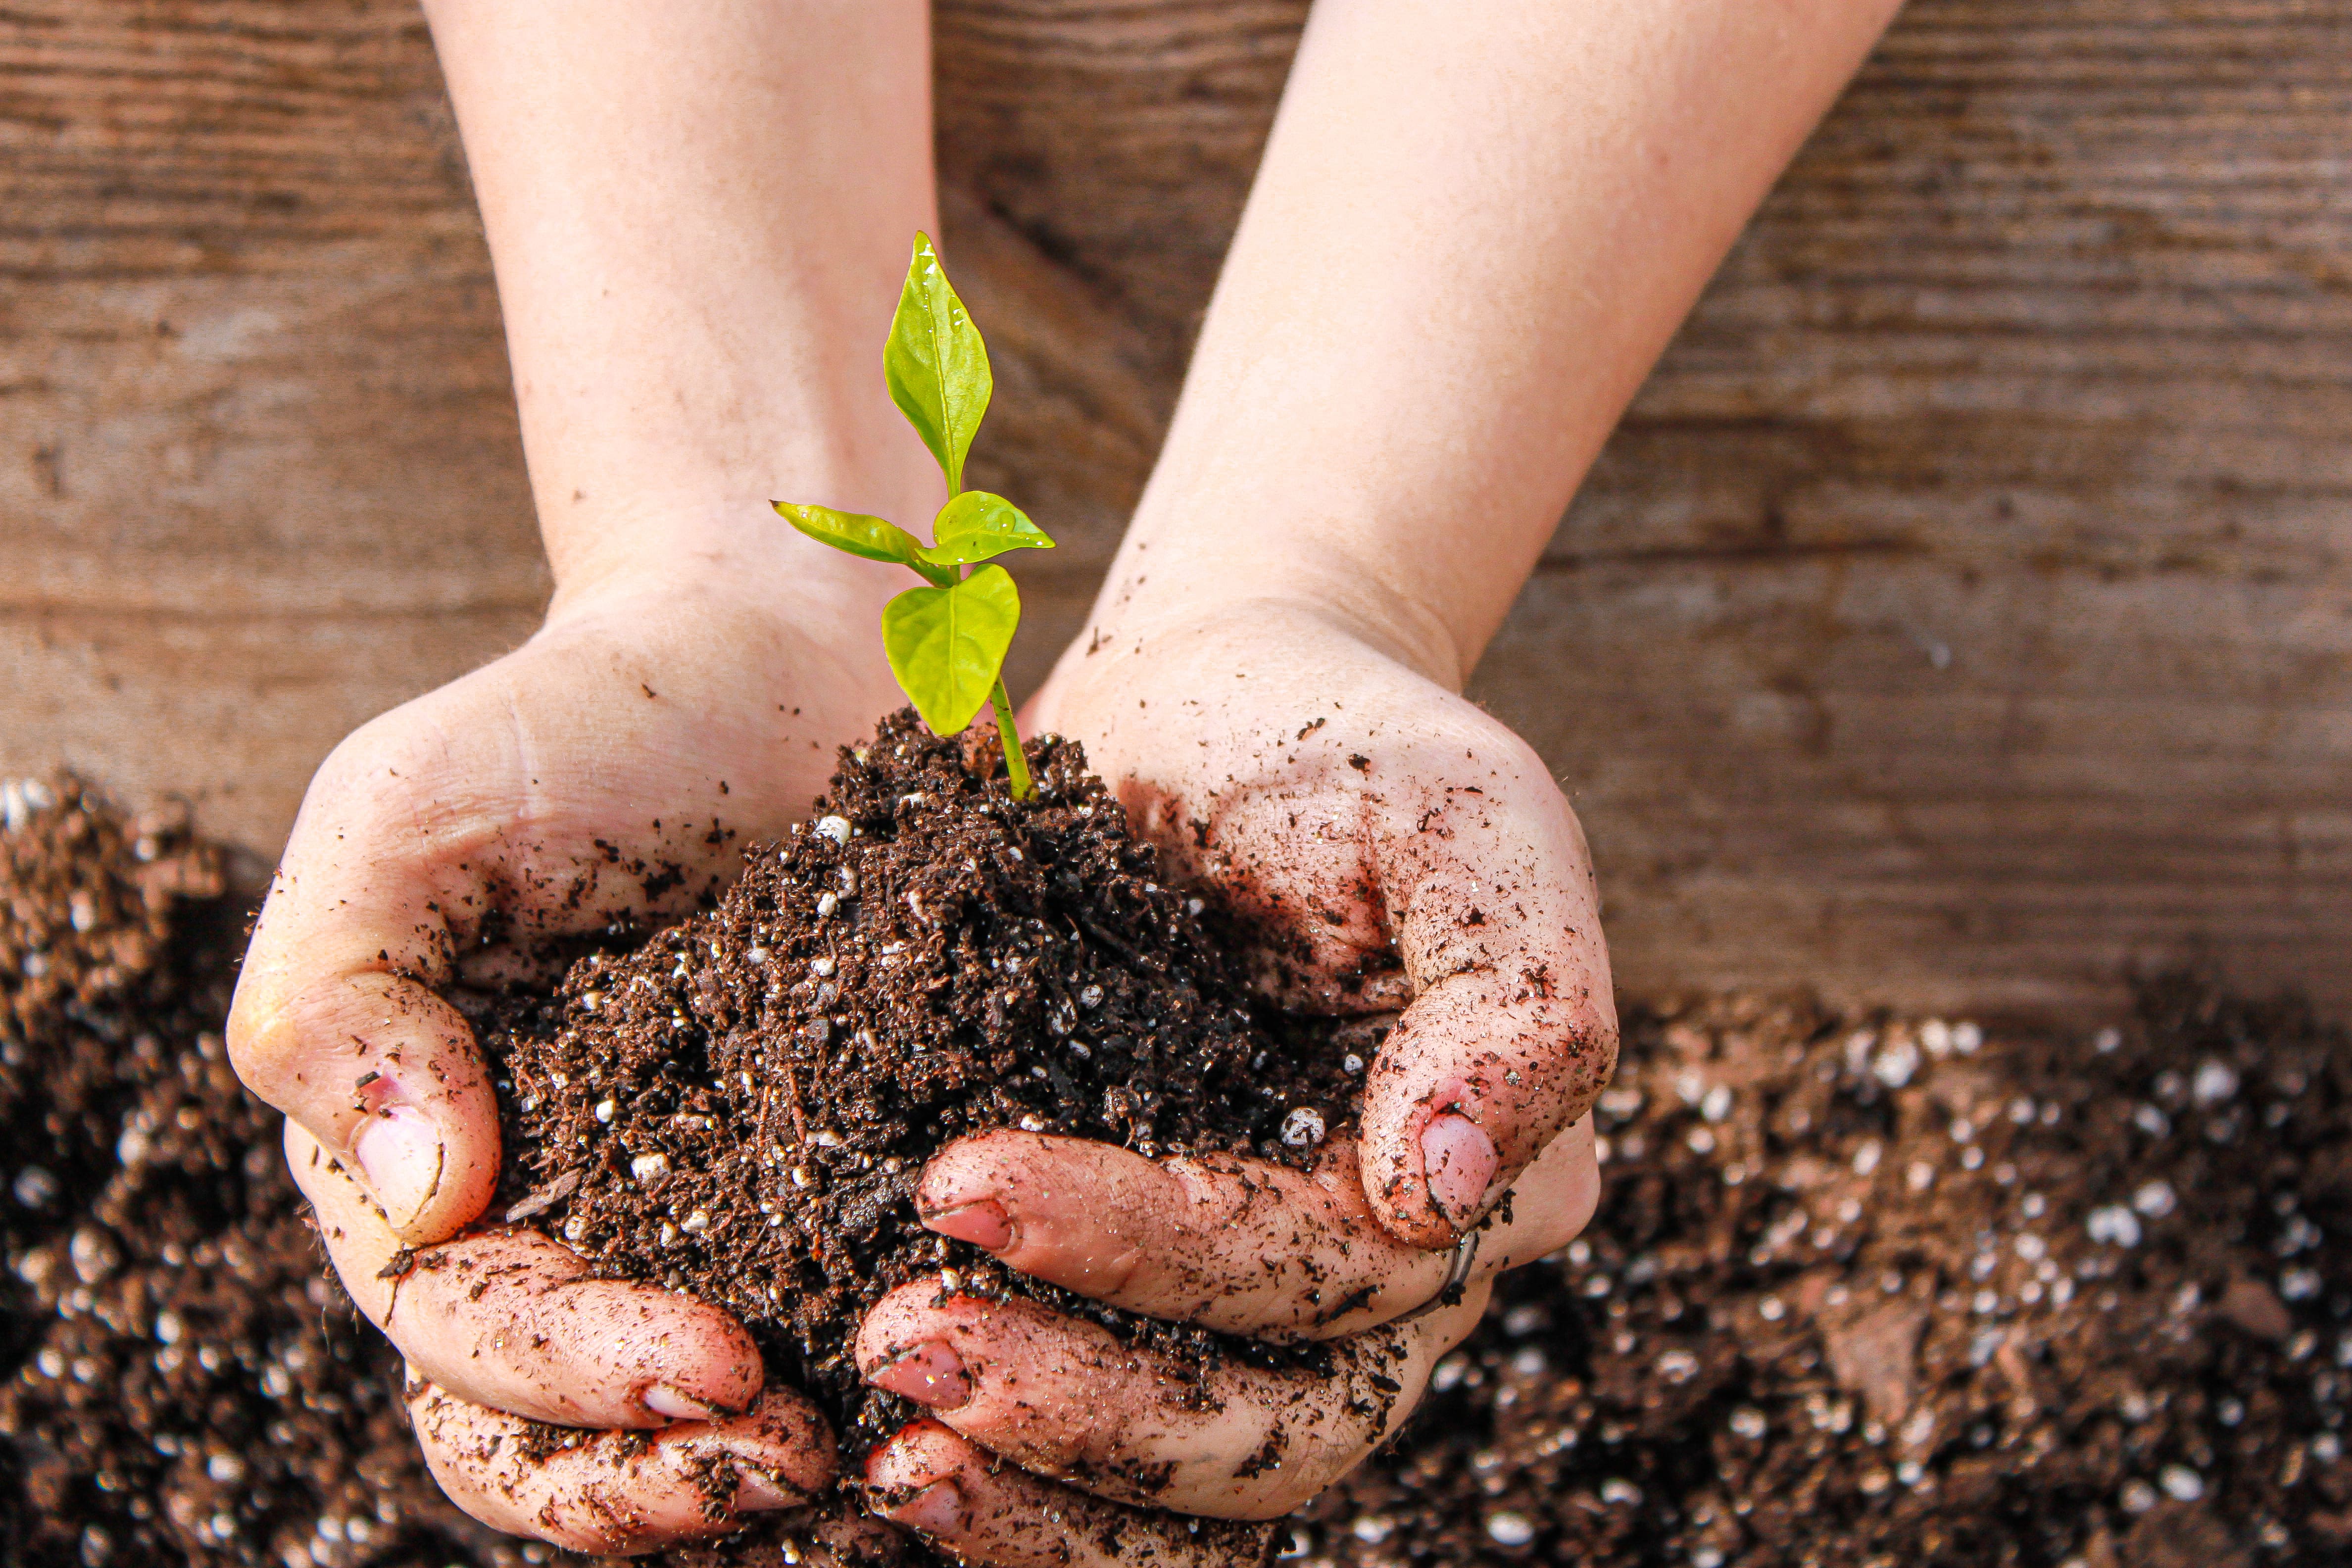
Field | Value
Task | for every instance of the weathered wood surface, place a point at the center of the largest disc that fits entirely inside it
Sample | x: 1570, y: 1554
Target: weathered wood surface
x: 1963, y: 615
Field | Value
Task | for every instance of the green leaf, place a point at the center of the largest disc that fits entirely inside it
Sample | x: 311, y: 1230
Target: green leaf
x: 854, y: 532
x: 936, y: 365
x: 947, y: 645
x: 976, y: 525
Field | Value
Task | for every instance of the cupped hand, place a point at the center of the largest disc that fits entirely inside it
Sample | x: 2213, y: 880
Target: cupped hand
x: 1395, y: 849
x: 611, y: 769
x: 1107, y: 1443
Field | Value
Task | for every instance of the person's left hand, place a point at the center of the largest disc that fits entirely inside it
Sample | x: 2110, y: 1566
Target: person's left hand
x: 1399, y: 852
x: 1099, y: 1431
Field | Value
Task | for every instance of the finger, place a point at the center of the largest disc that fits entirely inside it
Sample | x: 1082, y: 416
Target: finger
x: 335, y: 1022
x: 1071, y: 1400
x: 617, y: 1492
x: 929, y: 1479
x: 1239, y: 1246
x: 1512, y: 1030
x: 509, y: 1318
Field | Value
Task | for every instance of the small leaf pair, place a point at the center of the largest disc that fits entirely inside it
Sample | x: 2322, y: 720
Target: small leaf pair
x: 946, y: 642
x: 972, y: 527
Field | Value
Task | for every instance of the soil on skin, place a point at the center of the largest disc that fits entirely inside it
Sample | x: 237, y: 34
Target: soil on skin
x: 1719, y: 1375
x: 740, y: 1108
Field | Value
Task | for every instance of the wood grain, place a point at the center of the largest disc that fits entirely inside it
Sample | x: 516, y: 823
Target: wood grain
x: 1962, y: 616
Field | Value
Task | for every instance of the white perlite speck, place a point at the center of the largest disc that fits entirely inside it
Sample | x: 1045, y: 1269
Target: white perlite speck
x: 2115, y: 1224
x: 605, y: 1109
x: 1508, y: 1529
x: 833, y: 827
x: 645, y: 1167
x: 2156, y: 1199
x: 1303, y: 1128
x: 2181, y: 1483
x: 2215, y: 1083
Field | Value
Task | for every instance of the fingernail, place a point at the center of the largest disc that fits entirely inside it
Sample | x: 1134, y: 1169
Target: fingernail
x: 1458, y: 1162
x: 929, y: 1374
x: 399, y: 1152
x: 664, y: 1400
x: 755, y: 1493
x: 936, y: 1509
x: 984, y: 1224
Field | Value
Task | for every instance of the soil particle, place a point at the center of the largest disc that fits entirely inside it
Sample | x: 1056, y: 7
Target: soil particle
x: 740, y: 1108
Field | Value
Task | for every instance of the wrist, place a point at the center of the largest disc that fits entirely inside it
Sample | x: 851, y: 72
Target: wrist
x: 739, y: 552
x: 1163, y: 581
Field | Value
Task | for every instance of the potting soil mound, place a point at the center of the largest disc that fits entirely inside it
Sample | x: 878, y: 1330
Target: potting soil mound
x: 2117, y: 1330
x: 740, y: 1108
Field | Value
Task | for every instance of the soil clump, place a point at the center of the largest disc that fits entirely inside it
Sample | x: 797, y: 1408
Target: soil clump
x: 740, y: 1108
x: 1719, y: 1375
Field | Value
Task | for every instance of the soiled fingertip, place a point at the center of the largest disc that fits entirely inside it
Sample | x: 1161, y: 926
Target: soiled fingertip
x: 984, y: 1224
x: 757, y: 1492
x: 401, y: 1157
x: 910, y: 1480
x: 1458, y: 1162
x: 664, y: 1400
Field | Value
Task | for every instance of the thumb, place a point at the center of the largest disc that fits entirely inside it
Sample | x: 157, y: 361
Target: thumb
x: 336, y: 1024
x: 1512, y: 1030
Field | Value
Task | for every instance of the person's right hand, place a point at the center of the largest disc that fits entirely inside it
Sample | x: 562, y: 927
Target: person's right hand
x: 611, y: 768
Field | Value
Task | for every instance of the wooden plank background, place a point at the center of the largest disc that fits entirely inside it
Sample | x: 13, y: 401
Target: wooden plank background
x: 1962, y: 616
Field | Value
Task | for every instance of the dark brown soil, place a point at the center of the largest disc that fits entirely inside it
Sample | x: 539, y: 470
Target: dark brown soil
x: 1869, y: 1292
x: 740, y: 1107
x: 1719, y: 1375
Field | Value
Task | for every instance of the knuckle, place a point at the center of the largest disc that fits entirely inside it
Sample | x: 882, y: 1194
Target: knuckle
x: 260, y: 1039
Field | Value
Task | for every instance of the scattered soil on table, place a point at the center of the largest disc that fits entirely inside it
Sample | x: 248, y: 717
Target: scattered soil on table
x: 2117, y: 1330
x: 1877, y: 1293
x: 740, y: 1107
x: 183, y: 1382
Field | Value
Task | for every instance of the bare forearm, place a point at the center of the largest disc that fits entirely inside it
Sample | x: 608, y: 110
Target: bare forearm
x: 698, y: 215
x: 1474, y: 229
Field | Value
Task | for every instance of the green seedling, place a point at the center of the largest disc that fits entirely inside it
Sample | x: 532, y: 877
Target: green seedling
x: 946, y: 642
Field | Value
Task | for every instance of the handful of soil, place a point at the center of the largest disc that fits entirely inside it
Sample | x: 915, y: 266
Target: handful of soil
x: 742, y: 1107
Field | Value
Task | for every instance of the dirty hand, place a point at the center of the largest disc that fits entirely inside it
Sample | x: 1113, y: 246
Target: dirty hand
x: 1398, y: 851
x: 609, y: 769
x: 1100, y: 1429
x: 1401, y: 854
